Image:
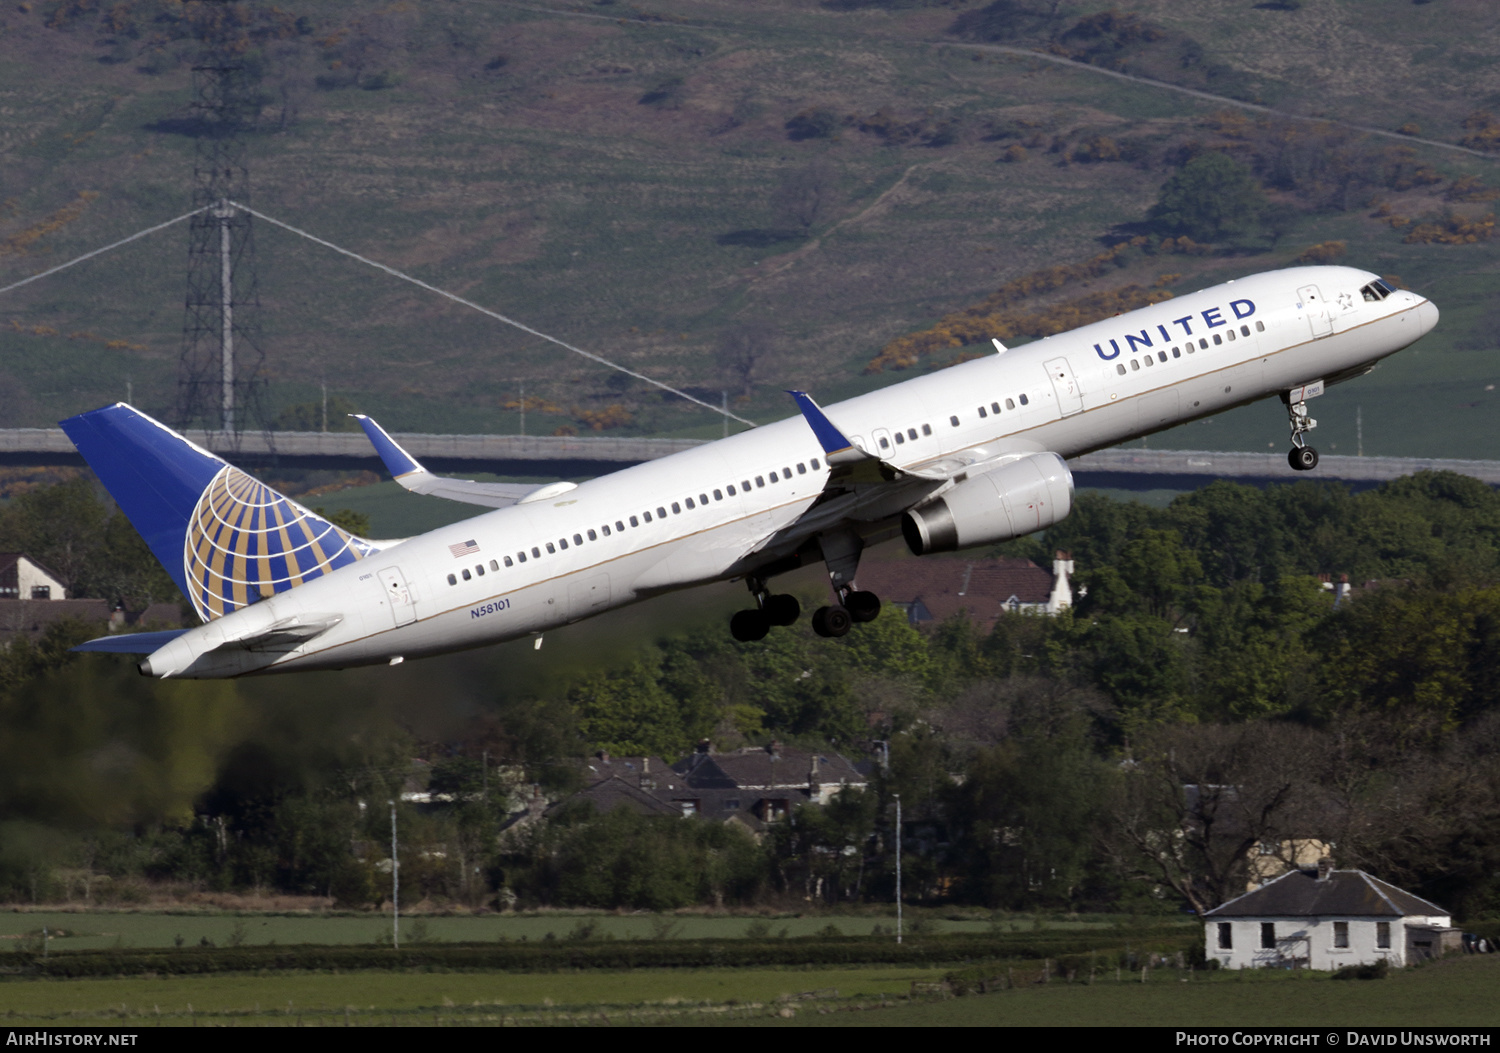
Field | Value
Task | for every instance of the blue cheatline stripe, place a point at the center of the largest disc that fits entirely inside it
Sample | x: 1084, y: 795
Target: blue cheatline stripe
x: 831, y: 439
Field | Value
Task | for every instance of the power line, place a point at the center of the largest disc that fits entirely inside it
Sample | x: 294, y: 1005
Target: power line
x: 493, y: 314
x: 100, y: 252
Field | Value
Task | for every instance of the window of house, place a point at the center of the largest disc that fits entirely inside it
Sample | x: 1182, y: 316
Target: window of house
x: 1383, y: 935
x: 41, y: 592
x: 1341, y: 934
x: 1268, y: 935
x: 1226, y: 936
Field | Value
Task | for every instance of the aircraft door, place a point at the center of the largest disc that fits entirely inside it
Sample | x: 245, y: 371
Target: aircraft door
x: 883, y: 447
x: 1065, y: 384
x: 398, y: 595
x: 1319, y: 317
x: 588, y: 596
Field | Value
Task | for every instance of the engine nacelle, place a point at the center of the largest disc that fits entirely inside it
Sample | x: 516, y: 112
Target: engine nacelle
x: 1013, y: 500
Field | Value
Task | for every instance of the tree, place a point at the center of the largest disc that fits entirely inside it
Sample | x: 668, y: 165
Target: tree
x: 807, y: 195
x: 742, y: 347
x: 1212, y: 196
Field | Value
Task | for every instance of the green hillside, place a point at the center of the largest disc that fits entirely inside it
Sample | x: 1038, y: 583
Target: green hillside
x: 646, y: 179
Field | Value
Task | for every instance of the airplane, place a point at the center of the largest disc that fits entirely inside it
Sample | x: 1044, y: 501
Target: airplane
x: 974, y: 454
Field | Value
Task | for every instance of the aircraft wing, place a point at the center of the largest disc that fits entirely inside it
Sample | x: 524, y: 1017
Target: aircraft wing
x: 408, y: 471
x: 130, y: 643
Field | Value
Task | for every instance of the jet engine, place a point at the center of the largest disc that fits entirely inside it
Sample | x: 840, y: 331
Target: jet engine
x: 1017, y: 498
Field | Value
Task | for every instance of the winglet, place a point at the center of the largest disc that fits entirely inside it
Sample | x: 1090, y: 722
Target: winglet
x: 832, y: 440
x: 397, y: 461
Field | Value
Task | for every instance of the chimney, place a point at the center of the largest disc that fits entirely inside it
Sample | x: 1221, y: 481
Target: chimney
x: 645, y: 765
x: 704, y: 746
x: 603, y: 756
x: 1341, y: 593
x: 1325, y: 868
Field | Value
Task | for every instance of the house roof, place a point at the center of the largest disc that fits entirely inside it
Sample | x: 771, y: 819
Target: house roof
x: 786, y: 767
x: 614, y: 792
x: 1347, y: 893
x: 944, y: 587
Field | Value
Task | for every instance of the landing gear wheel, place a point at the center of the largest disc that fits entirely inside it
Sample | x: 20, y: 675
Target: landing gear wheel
x: 831, y: 621
x: 747, y: 626
x: 862, y: 606
x: 1302, y: 458
x: 782, y: 609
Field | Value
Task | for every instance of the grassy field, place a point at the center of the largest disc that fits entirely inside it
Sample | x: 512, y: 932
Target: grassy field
x: 1457, y: 992
x: 102, y: 930
x: 519, y: 158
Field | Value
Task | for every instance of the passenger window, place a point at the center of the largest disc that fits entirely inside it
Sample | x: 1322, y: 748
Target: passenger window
x: 479, y: 569
x: 814, y: 463
x: 509, y: 562
x: 1260, y: 327
x: 953, y: 421
x: 786, y: 473
x: 702, y: 500
x: 605, y: 528
x: 801, y: 468
x: 578, y: 538
x: 676, y: 509
x: 885, y: 444
x: 634, y: 522
x: 1161, y: 356
x: 494, y: 565
x: 982, y: 413
x: 1120, y: 368
x: 900, y: 439
x: 1176, y: 352
x: 1229, y: 333
x: 467, y: 575
x: 1218, y: 339
x: 760, y: 481
x: 731, y: 489
x: 551, y: 549
x: 745, y: 485
x: 1010, y: 403
x: 718, y: 495
x: 689, y: 502
x: 995, y: 408
x: 1150, y: 361
x: 1244, y: 330
x: 521, y: 556
x: 1203, y: 343
x: 536, y: 553
x: 644, y: 515
x: 661, y: 513
x: 561, y: 541
x: 1025, y: 401
x: 1134, y: 364
x: 911, y: 433
x: 592, y: 536
x: 452, y: 580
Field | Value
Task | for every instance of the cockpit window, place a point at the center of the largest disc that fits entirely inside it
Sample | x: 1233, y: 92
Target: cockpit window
x: 1377, y: 290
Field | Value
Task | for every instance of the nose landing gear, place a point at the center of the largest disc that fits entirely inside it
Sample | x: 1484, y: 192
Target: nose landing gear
x: 1302, y: 457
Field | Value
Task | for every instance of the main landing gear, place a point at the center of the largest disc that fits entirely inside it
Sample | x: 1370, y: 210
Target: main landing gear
x: 1302, y: 457
x: 841, y: 553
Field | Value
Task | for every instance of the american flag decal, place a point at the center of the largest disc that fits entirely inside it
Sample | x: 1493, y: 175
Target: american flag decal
x: 463, y: 549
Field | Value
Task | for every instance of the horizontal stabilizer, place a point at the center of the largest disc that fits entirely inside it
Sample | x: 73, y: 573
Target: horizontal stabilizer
x: 408, y: 471
x: 131, y: 643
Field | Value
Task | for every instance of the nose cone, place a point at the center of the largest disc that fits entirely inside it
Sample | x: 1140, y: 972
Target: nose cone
x: 1427, y: 316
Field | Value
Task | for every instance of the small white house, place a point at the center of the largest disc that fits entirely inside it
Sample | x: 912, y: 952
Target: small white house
x: 1326, y: 919
x: 22, y: 578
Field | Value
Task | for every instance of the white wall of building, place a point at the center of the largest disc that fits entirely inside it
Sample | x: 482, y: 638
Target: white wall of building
x: 1312, y: 942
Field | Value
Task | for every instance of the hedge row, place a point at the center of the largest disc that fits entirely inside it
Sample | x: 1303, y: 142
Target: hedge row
x: 568, y: 955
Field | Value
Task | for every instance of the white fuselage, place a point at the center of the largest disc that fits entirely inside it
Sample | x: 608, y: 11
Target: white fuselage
x: 1079, y: 391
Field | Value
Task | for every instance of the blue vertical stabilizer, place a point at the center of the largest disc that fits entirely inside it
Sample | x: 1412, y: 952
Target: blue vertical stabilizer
x: 226, y: 539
